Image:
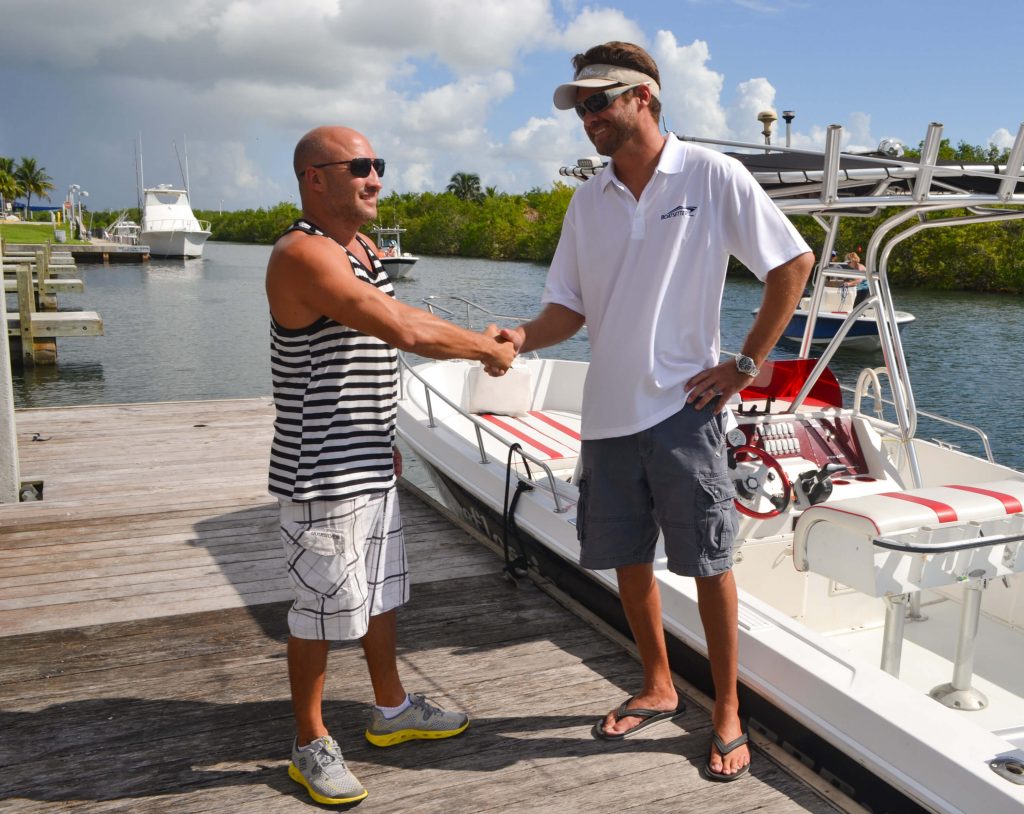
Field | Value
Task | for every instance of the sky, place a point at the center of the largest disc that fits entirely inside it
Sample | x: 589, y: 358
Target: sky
x: 445, y: 86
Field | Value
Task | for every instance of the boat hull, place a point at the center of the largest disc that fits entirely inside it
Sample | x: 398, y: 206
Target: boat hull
x: 398, y: 267
x: 861, y: 724
x: 175, y: 244
x: 863, y: 334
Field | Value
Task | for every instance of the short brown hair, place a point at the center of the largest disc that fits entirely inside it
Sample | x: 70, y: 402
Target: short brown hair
x: 622, y: 55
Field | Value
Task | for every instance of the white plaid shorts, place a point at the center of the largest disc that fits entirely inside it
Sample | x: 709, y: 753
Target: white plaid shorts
x: 346, y: 562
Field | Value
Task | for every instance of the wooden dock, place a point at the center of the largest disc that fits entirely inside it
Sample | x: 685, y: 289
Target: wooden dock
x: 142, y: 623
x: 37, y: 277
x: 109, y: 252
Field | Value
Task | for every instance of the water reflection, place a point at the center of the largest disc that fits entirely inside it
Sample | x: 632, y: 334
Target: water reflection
x: 33, y: 386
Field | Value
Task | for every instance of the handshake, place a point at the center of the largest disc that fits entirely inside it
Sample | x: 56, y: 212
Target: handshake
x: 507, y: 342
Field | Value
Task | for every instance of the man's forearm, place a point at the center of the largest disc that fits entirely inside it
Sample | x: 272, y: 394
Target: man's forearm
x: 554, y: 324
x: 784, y: 286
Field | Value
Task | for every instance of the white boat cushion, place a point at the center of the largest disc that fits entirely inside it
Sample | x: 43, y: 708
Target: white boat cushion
x: 511, y: 394
x: 837, y: 540
x: 895, y: 511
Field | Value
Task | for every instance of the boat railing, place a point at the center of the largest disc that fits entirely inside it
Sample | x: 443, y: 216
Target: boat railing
x: 177, y: 225
x: 479, y: 427
x: 869, y: 385
x: 472, y: 308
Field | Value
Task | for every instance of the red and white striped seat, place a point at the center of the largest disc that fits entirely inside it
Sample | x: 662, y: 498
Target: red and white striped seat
x: 551, y: 436
x: 836, y: 539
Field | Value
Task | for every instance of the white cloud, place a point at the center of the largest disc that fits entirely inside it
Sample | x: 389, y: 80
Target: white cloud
x: 596, y: 25
x: 753, y: 97
x: 691, y: 91
x: 1001, y: 138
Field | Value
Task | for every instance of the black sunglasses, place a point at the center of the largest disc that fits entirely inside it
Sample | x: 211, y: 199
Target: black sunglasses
x: 359, y: 167
x: 597, y: 102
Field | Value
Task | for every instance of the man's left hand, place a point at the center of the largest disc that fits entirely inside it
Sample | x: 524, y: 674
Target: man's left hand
x: 720, y: 383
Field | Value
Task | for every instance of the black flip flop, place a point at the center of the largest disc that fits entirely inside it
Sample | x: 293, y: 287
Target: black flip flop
x: 723, y: 750
x: 648, y: 717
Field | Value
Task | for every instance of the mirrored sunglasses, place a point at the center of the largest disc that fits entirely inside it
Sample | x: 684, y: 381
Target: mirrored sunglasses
x: 597, y: 102
x: 359, y: 167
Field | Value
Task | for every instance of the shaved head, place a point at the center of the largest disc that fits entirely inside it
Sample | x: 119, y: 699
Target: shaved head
x: 323, y: 144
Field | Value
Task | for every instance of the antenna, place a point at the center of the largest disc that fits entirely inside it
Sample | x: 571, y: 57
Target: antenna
x: 138, y: 171
x: 184, y: 143
x: 182, y: 170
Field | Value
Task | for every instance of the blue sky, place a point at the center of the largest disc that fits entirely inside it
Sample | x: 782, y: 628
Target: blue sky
x: 441, y: 86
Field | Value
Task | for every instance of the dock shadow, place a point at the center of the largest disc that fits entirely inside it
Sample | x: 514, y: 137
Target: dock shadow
x: 132, y: 748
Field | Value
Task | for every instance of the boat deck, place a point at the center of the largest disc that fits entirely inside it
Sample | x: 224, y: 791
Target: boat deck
x: 142, y: 622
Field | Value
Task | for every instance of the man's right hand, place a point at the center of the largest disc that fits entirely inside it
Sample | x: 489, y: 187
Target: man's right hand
x: 504, y: 352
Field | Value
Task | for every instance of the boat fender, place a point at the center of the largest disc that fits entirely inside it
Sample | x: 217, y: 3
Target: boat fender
x: 515, y: 569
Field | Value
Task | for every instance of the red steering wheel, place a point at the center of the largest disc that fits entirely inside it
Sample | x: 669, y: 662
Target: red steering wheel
x: 754, y: 483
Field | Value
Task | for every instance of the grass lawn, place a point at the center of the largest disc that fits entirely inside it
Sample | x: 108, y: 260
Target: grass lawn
x: 29, y: 233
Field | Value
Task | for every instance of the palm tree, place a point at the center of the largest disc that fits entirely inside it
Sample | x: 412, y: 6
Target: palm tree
x: 466, y: 186
x: 34, y: 181
x: 8, y: 183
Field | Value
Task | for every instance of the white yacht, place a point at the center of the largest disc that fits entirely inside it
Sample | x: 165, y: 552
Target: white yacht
x: 169, y: 227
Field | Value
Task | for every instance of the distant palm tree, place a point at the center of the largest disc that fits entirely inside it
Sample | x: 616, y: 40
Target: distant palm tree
x: 34, y: 181
x: 8, y: 183
x: 465, y: 185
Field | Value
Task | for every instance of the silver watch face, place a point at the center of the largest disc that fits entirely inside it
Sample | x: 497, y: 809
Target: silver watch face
x: 746, y: 365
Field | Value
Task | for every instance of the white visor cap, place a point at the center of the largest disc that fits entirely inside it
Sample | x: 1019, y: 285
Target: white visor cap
x: 600, y: 76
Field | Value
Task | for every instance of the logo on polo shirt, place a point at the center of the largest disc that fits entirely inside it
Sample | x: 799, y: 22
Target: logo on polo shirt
x: 680, y: 211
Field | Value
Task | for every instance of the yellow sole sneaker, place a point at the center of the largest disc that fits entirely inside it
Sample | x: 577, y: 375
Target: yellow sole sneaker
x: 403, y: 735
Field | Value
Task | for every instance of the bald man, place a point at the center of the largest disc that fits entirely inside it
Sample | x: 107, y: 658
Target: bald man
x: 335, y: 330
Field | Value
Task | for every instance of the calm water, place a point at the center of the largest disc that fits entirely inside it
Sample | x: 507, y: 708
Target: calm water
x: 198, y: 329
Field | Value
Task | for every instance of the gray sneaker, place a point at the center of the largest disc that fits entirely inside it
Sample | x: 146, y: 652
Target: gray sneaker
x: 322, y: 770
x: 420, y: 720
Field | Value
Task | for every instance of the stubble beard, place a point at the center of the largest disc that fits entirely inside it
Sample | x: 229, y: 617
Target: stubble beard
x: 612, y: 136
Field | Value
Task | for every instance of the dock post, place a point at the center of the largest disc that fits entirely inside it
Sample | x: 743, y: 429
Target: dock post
x: 26, y: 307
x: 10, y: 476
x: 44, y: 300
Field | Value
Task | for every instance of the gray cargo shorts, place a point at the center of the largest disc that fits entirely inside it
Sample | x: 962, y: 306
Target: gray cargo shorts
x: 671, y: 478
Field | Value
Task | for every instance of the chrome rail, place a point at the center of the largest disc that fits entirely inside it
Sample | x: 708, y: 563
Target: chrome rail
x: 430, y: 391
x: 471, y: 307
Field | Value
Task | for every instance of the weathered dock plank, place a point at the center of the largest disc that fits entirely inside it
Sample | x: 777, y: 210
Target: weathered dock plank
x: 142, y: 631
x: 58, y: 323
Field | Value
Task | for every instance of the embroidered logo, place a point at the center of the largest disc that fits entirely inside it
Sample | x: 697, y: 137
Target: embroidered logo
x: 680, y: 211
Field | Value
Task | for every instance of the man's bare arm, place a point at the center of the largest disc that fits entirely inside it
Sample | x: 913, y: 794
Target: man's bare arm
x: 308, y: 278
x: 783, y: 288
x: 554, y: 324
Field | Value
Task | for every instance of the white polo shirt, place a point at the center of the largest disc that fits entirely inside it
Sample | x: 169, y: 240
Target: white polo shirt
x: 648, y: 277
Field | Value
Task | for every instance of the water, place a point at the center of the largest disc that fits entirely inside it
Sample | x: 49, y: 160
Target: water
x: 198, y: 329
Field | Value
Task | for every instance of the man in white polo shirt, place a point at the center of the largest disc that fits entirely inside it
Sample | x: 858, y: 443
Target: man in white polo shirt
x: 642, y: 261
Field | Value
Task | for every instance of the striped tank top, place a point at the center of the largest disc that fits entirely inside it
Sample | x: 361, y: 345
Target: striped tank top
x: 335, y: 392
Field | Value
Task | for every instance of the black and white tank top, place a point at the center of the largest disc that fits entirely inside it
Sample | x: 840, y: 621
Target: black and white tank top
x: 334, y: 392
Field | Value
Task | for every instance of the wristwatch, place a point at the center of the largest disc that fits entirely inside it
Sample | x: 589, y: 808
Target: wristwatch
x: 746, y: 365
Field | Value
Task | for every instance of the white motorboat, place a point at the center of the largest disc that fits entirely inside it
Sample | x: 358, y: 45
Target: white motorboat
x: 123, y: 230
x: 397, y: 263
x: 881, y: 597
x: 169, y: 227
x: 835, y: 303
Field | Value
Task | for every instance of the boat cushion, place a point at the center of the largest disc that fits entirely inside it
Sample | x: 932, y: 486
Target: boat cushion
x: 550, y: 436
x: 836, y: 539
x: 511, y: 394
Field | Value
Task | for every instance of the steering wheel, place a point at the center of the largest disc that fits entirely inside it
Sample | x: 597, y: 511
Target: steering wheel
x: 757, y: 483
